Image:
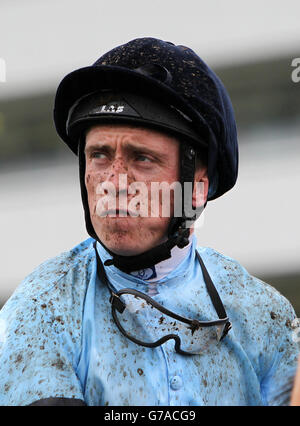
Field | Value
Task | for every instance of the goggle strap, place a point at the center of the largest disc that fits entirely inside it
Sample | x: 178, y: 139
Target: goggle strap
x: 214, y: 295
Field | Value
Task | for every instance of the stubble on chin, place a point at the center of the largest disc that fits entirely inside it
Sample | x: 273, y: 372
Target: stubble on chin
x: 127, y: 239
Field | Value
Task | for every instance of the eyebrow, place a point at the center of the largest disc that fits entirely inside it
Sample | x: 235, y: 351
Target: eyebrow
x: 129, y: 146
x: 97, y: 145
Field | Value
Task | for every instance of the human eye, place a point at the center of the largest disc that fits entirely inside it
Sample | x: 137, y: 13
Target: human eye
x: 98, y: 155
x: 143, y: 158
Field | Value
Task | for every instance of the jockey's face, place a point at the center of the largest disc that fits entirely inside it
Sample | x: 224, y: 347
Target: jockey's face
x: 121, y: 163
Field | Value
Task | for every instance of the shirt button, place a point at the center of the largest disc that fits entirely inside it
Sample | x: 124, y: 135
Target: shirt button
x: 176, y: 382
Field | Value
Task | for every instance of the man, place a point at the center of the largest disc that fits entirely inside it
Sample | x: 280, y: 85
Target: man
x: 136, y: 314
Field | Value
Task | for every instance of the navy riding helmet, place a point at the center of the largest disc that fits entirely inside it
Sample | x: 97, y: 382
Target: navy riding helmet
x: 152, y: 83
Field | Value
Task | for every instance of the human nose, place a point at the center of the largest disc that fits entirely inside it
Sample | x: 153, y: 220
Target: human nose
x: 118, y: 174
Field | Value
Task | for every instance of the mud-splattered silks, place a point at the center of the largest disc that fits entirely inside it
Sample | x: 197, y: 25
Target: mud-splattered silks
x: 58, y: 338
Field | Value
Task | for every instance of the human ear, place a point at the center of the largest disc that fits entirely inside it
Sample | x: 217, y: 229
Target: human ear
x: 201, y: 184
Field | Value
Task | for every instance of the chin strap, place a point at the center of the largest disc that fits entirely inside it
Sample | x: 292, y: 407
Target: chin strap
x: 149, y: 258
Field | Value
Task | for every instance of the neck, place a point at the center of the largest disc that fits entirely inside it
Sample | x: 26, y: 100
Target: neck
x: 162, y: 269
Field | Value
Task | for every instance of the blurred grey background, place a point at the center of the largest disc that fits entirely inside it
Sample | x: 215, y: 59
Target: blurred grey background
x: 250, y: 45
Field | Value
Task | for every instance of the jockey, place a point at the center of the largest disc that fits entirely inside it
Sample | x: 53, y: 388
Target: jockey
x: 139, y: 313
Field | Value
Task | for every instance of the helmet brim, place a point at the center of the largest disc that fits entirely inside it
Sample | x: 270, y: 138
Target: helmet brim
x: 95, y: 78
